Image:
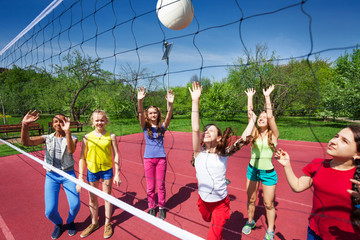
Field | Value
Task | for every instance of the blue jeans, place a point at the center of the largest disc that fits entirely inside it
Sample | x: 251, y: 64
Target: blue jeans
x: 53, y: 183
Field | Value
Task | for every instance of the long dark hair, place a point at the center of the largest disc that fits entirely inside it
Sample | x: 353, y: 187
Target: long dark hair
x: 225, y: 138
x: 355, y: 214
x: 160, y: 131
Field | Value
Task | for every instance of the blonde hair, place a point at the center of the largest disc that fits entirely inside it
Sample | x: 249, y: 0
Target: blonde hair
x: 98, y: 111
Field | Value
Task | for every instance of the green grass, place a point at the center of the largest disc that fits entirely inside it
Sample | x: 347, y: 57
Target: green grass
x: 290, y: 128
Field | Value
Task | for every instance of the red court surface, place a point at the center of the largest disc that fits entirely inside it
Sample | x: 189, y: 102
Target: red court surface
x: 22, y: 195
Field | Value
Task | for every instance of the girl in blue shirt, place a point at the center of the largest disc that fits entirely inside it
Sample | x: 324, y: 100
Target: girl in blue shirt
x: 153, y: 126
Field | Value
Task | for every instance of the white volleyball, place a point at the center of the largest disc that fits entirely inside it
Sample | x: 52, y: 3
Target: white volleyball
x: 175, y: 14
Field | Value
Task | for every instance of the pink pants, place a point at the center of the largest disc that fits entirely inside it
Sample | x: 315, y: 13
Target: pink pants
x: 155, y: 170
x: 217, y: 213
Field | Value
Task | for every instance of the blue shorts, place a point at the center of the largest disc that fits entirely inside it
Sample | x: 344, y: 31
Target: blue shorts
x: 267, y: 177
x: 105, y: 175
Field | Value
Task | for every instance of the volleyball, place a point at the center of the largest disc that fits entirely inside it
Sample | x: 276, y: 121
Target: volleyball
x: 175, y: 14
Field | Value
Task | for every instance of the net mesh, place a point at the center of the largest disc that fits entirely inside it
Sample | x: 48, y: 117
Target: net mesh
x: 122, y: 43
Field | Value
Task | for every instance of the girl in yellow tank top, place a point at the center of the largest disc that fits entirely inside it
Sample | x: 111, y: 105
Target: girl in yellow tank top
x: 99, y: 152
x: 260, y: 168
x: 96, y: 151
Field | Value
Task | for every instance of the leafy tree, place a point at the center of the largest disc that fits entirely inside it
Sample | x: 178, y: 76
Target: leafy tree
x: 296, y: 89
x: 22, y: 89
x: 135, y: 79
x: 78, y: 75
x: 118, y: 101
x: 219, y: 101
x: 347, y: 80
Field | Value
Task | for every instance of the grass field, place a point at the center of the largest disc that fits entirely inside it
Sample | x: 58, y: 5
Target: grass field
x: 290, y: 128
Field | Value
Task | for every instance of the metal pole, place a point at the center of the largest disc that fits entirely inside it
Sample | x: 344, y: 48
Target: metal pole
x: 166, y: 56
x: 167, y: 88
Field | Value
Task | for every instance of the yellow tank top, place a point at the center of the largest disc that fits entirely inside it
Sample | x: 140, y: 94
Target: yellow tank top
x: 99, y: 153
x: 261, y: 155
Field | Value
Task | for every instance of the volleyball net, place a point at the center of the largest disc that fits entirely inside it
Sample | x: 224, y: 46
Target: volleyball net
x: 87, y: 54
x: 167, y: 227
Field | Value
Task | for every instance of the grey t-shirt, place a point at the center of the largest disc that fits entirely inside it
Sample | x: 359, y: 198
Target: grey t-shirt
x: 57, y: 158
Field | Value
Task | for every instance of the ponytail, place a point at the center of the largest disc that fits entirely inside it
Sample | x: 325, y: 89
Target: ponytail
x: 225, y: 140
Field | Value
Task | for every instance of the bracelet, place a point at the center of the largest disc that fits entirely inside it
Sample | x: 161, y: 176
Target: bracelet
x: 25, y: 123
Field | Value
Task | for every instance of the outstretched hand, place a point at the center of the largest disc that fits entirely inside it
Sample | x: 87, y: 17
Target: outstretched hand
x: 250, y: 92
x: 268, y: 91
x: 65, y: 125
x: 141, y: 93
x: 31, y: 117
x: 170, y: 96
x: 282, y: 157
x: 196, y: 91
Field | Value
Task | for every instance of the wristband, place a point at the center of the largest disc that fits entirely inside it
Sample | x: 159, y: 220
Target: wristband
x: 25, y: 123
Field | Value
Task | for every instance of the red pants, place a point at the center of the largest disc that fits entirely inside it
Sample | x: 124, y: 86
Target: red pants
x: 217, y: 213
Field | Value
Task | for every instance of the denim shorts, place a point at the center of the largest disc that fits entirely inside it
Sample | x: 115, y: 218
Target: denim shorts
x: 105, y: 175
x: 267, y: 177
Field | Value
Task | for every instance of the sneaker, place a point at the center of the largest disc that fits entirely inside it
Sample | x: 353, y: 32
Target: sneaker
x: 162, y: 213
x: 152, y: 212
x: 91, y: 228
x: 108, y: 230
x: 72, y: 229
x: 247, y: 228
x: 57, y: 231
x: 269, y: 235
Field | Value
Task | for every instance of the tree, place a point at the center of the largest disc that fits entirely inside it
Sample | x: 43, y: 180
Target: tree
x: 219, y: 102
x: 342, y: 93
x: 135, y: 79
x: 21, y: 90
x: 80, y: 73
x: 296, y: 88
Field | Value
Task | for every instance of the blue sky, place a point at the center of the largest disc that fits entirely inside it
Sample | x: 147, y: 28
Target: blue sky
x: 335, y: 24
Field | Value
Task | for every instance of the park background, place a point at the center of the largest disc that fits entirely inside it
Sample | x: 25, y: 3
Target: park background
x: 90, y: 54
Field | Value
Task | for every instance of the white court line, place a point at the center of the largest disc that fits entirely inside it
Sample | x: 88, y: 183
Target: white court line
x: 6, y: 231
x: 239, y: 189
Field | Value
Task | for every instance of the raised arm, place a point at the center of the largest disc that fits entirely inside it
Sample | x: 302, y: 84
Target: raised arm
x: 140, y: 96
x: 71, y: 143
x: 195, y: 121
x: 295, y: 183
x: 170, y: 99
x: 30, y: 117
x: 82, y: 161
x: 269, y: 111
x: 251, y: 125
x: 250, y: 92
x: 245, y: 137
x: 115, y: 149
